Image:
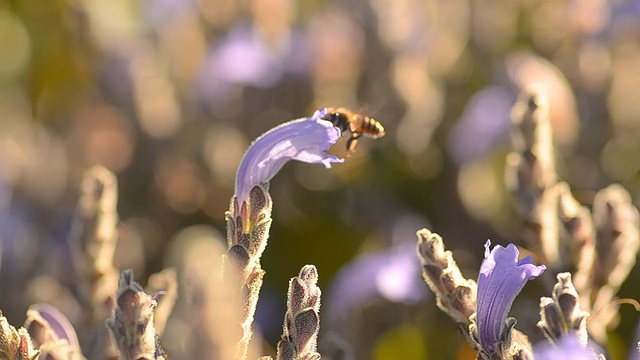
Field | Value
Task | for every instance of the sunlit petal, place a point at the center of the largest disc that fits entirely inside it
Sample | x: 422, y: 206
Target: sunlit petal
x: 303, y: 139
x: 502, y: 277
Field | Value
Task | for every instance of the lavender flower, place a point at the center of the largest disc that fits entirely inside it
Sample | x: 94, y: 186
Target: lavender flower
x: 303, y: 139
x: 501, y: 278
x: 392, y: 274
x: 569, y: 347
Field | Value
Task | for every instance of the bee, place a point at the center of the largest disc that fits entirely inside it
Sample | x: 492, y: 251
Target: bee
x: 357, y: 124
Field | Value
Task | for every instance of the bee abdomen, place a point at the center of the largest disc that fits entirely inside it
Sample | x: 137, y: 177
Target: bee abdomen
x: 373, y: 128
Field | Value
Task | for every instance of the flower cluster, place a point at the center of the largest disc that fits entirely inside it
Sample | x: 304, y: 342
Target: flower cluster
x: 567, y: 236
x: 481, y: 308
x: 125, y: 148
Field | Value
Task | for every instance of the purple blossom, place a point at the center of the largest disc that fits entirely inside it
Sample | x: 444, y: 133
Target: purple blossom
x: 392, y: 274
x: 568, y: 348
x: 483, y: 126
x: 242, y: 58
x: 501, y: 278
x: 303, y: 139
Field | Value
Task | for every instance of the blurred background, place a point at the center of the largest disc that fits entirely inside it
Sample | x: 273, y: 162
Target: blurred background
x: 168, y: 95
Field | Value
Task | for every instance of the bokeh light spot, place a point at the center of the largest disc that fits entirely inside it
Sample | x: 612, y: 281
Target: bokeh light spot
x: 478, y: 186
x: 15, y: 45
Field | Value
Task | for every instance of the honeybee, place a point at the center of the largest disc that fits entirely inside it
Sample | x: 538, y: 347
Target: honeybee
x: 357, y: 124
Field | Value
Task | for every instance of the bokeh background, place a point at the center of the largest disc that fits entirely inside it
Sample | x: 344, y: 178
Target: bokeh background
x: 168, y: 95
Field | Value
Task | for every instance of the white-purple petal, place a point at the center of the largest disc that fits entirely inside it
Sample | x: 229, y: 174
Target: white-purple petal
x: 303, y: 139
x: 502, y: 277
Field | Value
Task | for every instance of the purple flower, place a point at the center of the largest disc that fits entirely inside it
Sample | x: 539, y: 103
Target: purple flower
x: 392, y: 274
x: 483, y: 126
x: 501, y: 278
x: 568, y: 348
x: 303, y: 139
x: 242, y: 58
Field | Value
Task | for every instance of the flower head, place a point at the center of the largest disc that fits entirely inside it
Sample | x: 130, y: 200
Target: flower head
x: 303, y: 139
x: 501, y: 278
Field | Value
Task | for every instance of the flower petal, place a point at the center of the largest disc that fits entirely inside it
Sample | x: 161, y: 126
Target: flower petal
x: 501, y: 279
x: 568, y: 348
x: 56, y: 321
x: 303, y: 139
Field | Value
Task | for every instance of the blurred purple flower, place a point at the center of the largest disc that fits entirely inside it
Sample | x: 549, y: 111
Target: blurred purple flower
x: 242, y: 61
x: 483, y: 126
x: 501, y: 279
x: 618, y: 19
x: 242, y: 58
x: 303, y: 139
x: 568, y: 348
x: 392, y: 274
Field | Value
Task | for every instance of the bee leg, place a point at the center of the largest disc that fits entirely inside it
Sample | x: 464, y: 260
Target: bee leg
x: 352, y: 142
